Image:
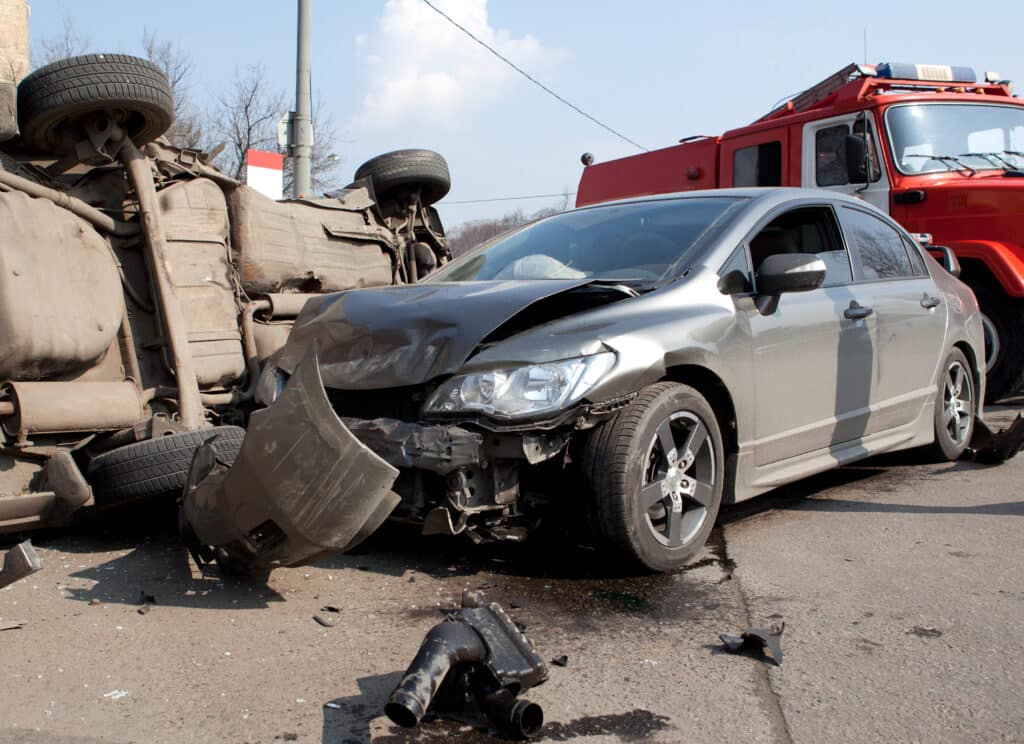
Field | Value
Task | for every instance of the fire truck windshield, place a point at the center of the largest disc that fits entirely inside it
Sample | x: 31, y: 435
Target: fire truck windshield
x: 967, y: 137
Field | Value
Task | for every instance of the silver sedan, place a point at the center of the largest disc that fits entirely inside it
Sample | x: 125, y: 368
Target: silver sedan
x: 630, y: 366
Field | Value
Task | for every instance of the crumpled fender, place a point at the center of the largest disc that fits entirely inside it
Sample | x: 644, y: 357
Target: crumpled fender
x: 302, y: 484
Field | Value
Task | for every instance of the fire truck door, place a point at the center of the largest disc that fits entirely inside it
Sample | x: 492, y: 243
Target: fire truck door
x: 823, y: 163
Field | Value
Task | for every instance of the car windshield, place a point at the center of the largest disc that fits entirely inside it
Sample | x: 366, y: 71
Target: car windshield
x: 638, y: 242
x: 935, y: 137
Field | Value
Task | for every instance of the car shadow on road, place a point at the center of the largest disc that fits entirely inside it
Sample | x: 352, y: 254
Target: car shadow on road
x: 158, y: 565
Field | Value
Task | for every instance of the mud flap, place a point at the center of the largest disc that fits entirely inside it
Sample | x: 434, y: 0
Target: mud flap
x: 302, y: 484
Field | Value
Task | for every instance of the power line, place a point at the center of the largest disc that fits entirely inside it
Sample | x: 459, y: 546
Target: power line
x: 511, y: 198
x: 529, y: 77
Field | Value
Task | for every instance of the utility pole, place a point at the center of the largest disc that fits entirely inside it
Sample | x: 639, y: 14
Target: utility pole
x: 302, y: 149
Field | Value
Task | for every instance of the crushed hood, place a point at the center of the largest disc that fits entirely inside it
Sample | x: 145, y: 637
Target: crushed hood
x: 407, y: 335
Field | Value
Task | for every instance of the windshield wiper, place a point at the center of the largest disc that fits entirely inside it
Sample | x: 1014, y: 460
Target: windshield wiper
x: 993, y: 157
x: 945, y: 160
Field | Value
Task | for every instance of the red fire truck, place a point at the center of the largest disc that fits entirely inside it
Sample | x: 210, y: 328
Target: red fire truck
x: 938, y: 151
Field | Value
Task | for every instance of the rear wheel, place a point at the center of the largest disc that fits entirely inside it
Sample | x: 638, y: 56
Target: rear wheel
x: 408, y: 169
x: 656, y: 475
x: 1003, y: 323
x: 955, y: 408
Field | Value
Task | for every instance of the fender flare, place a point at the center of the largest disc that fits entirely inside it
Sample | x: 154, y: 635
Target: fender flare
x: 1004, y: 260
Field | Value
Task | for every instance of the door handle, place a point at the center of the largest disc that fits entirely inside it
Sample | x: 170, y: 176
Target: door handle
x: 856, y: 311
x: 929, y: 302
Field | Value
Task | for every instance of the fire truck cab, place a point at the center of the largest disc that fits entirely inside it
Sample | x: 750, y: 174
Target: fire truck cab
x: 938, y: 151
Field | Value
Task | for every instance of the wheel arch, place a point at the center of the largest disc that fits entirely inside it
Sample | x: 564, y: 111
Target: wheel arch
x: 711, y: 386
x: 977, y: 368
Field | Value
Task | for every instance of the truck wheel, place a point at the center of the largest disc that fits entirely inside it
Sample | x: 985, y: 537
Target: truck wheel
x: 156, y: 468
x: 425, y: 169
x: 656, y: 473
x: 1004, y: 343
x: 53, y: 98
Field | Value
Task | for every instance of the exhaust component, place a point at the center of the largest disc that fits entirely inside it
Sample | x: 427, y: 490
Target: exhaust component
x: 476, y: 661
x: 65, y: 407
x: 302, y: 484
x: 172, y: 321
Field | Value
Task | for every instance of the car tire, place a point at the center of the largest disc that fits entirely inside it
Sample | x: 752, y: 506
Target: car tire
x: 53, y: 97
x: 1004, y: 330
x: 425, y: 169
x: 156, y: 468
x: 956, y: 406
x: 645, y: 505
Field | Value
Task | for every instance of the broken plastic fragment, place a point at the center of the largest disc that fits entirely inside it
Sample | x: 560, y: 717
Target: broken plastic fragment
x: 999, y: 446
x: 757, y: 640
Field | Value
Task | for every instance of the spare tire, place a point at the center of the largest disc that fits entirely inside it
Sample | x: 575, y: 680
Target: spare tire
x: 156, y: 468
x: 53, y: 98
x: 425, y: 169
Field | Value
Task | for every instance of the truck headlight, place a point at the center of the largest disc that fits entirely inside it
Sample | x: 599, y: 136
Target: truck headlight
x: 521, y: 391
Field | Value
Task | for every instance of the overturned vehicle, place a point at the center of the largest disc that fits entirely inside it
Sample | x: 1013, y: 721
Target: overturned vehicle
x: 142, y: 290
x: 632, y: 365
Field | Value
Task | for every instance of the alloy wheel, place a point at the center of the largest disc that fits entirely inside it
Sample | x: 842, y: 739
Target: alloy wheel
x: 679, y: 479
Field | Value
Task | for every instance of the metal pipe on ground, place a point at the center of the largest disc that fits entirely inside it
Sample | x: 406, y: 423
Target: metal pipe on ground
x: 190, y: 406
x: 104, y: 222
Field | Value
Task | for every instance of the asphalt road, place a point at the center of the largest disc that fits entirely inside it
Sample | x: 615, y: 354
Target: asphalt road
x: 900, y: 584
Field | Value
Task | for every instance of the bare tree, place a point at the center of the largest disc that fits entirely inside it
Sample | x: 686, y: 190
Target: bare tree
x: 245, y: 118
x: 188, y: 129
x: 68, y: 43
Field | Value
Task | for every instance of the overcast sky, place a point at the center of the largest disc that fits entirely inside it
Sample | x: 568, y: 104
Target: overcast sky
x: 395, y: 74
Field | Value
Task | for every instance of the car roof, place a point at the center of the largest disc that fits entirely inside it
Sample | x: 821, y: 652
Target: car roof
x: 763, y: 196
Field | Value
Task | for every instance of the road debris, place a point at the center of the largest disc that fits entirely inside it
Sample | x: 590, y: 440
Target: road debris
x: 11, y: 624
x: 757, y: 640
x: 474, y: 662
x: 924, y: 631
x: 147, y: 600
x: 116, y: 694
x: 328, y: 616
x: 19, y: 562
x: 997, y: 447
x: 561, y: 661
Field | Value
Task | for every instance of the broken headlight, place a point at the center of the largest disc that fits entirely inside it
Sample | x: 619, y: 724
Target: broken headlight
x: 521, y: 391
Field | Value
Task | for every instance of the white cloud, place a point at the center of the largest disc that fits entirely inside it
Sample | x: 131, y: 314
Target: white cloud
x: 420, y: 67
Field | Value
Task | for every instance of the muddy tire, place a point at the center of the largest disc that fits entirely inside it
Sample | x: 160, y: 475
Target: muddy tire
x: 956, y: 405
x: 156, y: 468
x: 1004, y: 333
x: 408, y: 169
x: 54, y: 98
x: 656, y: 472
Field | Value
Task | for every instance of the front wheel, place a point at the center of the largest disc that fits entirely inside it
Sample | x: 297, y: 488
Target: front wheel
x: 955, y: 408
x: 656, y: 474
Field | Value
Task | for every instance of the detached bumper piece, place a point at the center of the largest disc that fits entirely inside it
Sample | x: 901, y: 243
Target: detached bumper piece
x: 19, y: 562
x: 474, y: 663
x: 301, y: 485
x: 995, y: 447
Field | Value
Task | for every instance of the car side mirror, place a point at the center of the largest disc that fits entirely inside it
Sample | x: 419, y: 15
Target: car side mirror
x: 945, y: 256
x: 790, y: 272
x: 856, y: 159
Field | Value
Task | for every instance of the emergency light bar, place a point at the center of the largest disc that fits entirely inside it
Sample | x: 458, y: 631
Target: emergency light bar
x: 930, y: 73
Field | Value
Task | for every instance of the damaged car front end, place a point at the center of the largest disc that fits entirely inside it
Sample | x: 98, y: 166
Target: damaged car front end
x: 627, y: 364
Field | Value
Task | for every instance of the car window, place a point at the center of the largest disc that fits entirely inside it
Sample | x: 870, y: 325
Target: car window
x: 916, y: 259
x: 878, y: 248
x: 805, y: 230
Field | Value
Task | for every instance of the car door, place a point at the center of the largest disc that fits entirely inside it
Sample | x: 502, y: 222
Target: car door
x: 910, y: 317
x: 812, y: 359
